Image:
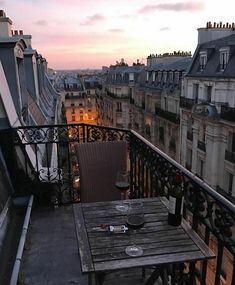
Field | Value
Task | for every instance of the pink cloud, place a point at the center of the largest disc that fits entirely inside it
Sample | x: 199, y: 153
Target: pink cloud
x: 176, y: 7
x: 116, y: 30
x: 164, y: 28
x: 41, y: 23
x: 93, y: 19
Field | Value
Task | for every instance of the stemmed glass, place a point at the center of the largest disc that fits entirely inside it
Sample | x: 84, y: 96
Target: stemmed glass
x: 135, y: 221
x: 122, y: 184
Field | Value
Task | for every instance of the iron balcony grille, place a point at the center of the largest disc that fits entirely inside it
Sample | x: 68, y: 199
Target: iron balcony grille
x: 152, y: 173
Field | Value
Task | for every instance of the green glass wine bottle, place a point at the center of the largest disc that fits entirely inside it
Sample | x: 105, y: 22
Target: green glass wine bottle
x: 176, y: 201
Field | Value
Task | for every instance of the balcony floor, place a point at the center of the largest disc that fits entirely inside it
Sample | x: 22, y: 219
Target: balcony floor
x: 51, y: 254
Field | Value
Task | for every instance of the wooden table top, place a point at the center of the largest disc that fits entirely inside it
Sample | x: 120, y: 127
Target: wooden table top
x: 162, y: 244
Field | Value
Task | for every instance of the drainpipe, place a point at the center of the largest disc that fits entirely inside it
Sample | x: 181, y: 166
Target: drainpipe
x: 16, y: 269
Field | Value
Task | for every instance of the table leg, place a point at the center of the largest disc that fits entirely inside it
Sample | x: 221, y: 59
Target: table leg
x: 159, y: 271
x: 99, y: 278
x: 192, y: 279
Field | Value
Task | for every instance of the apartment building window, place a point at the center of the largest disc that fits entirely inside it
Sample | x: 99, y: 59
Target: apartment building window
x: 159, y: 75
x: 171, y: 76
x: 224, y: 57
x: 73, y: 111
x: 72, y: 105
x: 200, y: 168
x: 195, y: 91
x: 161, y: 135
x: 119, y: 107
x: 81, y: 117
x: 208, y: 93
x: 189, y: 159
x: 165, y: 76
x: 73, y: 118
x: 229, y: 183
x: 147, y: 76
x: 203, y: 60
x: 154, y: 76
x: 131, y: 77
x: 231, y: 142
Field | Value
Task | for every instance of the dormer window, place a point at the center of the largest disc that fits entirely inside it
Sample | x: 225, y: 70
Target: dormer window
x: 131, y: 77
x: 165, y: 76
x: 171, y: 76
x: 154, y: 76
x: 147, y: 76
x: 224, y: 57
x: 203, y: 60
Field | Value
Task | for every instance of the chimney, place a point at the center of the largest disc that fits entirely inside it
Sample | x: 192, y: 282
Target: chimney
x: 5, y: 25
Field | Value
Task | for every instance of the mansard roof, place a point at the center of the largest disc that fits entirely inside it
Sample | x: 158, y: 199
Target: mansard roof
x: 212, y: 67
x: 180, y: 64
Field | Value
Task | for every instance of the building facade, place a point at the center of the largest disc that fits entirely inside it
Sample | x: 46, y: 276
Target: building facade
x: 208, y: 109
x: 155, y: 101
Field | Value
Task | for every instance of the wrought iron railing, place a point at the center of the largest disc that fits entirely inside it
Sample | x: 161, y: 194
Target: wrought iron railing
x: 167, y: 115
x: 46, y: 154
x: 228, y: 113
x: 230, y: 156
x: 201, y: 145
x: 186, y: 102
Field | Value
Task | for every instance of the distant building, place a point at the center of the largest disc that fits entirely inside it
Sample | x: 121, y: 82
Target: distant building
x: 79, y: 98
x: 113, y: 100
x: 155, y: 101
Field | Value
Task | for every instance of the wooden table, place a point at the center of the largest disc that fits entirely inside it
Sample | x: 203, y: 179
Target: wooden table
x: 102, y: 252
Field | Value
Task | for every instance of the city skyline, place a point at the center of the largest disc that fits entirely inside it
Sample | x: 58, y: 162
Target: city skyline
x: 72, y: 34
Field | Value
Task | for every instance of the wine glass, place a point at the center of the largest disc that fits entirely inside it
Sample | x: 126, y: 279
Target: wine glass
x: 135, y: 221
x: 122, y: 184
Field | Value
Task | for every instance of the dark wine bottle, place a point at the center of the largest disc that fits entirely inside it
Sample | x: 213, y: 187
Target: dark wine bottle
x: 176, y: 201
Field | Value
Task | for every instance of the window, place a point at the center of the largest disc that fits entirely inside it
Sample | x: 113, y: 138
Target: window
x: 119, y: 107
x: 161, y: 134
x: 73, y: 118
x: 81, y: 117
x: 203, y: 60
x: 229, y: 183
x: 208, y: 93
x: 165, y: 76
x: 231, y: 142
x: 73, y: 110
x: 154, y: 76
x: 72, y: 105
x: 200, y: 168
x: 131, y: 77
x: 224, y: 57
x: 195, y: 91
x: 189, y: 159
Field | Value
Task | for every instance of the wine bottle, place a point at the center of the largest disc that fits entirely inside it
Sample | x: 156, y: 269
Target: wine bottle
x: 176, y: 201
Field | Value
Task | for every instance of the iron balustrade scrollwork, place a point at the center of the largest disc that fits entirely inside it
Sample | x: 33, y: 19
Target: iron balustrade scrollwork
x: 152, y: 173
x: 210, y: 214
x: 52, y: 150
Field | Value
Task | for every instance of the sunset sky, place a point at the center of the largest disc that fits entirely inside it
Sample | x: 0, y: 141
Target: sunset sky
x: 73, y: 34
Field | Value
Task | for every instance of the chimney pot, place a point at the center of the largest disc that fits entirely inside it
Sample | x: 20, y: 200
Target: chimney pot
x: 214, y: 24
x: 21, y: 32
x: 16, y: 32
x: 1, y: 13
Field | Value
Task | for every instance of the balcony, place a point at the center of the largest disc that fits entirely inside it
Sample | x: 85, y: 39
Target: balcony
x: 190, y: 136
x: 230, y: 156
x: 186, y: 102
x: 42, y: 162
x: 201, y: 145
x: 228, y: 113
x: 174, y: 118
